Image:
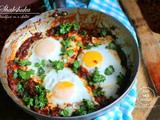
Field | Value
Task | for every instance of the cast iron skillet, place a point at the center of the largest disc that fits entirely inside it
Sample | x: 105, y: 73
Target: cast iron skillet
x: 43, y: 22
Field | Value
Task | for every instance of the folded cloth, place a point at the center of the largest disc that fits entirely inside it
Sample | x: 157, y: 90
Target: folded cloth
x: 121, y: 111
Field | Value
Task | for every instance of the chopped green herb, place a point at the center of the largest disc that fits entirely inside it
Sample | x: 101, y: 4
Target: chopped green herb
x: 80, y: 45
x: 65, y: 28
x: 72, y: 37
x: 25, y: 75
x: 42, y: 76
x: 69, y: 52
x: 104, y: 32
x: 20, y: 88
x: 65, y: 112
x: 96, y: 45
x: 37, y: 64
x: 88, y: 47
x: 40, y: 71
x: 112, y: 46
x: 40, y: 101
x: 66, y: 43
x: 57, y: 65
x: 121, y: 78
x: 76, y: 26
x: 109, y: 70
x: 15, y: 74
x: 83, y: 32
x: 98, y: 92
x: 96, y: 77
x: 22, y: 62
x: 76, y: 65
x: 43, y: 63
x: 85, y: 108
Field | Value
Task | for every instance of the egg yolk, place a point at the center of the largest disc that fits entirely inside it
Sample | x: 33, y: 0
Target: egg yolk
x: 92, y: 58
x: 44, y: 48
x: 63, y: 90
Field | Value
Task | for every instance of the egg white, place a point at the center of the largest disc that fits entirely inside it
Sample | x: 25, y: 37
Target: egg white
x: 110, y: 57
x: 80, y: 93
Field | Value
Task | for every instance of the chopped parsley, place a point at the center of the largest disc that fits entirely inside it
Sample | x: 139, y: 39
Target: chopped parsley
x: 64, y: 28
x: 25, y: 75
x: 22, y: 62
x: 86, y: 107
x: 103, y: 32
x: 70, y: 53
x: 121, y: 78
x: 109, y: 71
x: 98, y: 92
x: 57, y: 65
x: 76, y: 26
x: 96, y: 77
x: 83, y: 32
x: 95, y: 44
x: 75, y: 67
x: 65, y: 112
x: 112, y: 45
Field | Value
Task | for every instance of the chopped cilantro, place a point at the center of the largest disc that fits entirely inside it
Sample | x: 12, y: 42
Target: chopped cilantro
x: 65, y: 112
x: 15, y: 74
x: 88, y: 47
x: 80, y: 45
x: 66, y: 43
x: 121, y: 78
x: 112, y: 46
x: 109, y: 70
x: 20, y: 88
x: 65, y: 28
x: 40, y: 71
x: 83, y: 32
x: 57, y: 65
x: 37, y: 64
x: 96, y: 77
x: 40, y: 101
x: 25, y: 75
x: 103, y: 32
x: 95, y: 44
x: 22, y: 62
x: 43, y: 63
x: 70, y: 53
x: 72, y: 37
x: 76, y: 65
x: 76, y: 26
x: 98, y: 92
x: 85, y: 108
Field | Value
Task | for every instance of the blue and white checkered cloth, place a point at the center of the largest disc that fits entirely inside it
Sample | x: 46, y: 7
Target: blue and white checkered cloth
x: 122, y: 111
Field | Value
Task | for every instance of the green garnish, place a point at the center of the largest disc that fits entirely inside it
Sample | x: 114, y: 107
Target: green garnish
x: 42, y: 63
x: 75, y: 67
x: 88, y: 47
x: 104, y: 32
x: 76, y: 26
x: 112, y: 46
x: 20, y: 88
x: 72, y: 38
x: 98, y: 92
x: 80, y: 45
x: 57, y: 65
x: 85, y: 108
x: 22, y: 62
x: 96, y: 77
x: 65, y: 28
x: 66, y: 43
x: 15, y: 74
x: 65, y: 112
x: 109, y: 70
x: 83, y: 32
x: 70, y: 53
x: 121, y: 78
x: 40, y: 101
x: 95, y: 44
x: 25, y: 75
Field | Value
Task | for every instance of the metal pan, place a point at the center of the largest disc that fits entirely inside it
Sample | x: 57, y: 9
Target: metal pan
x: 43, y: 22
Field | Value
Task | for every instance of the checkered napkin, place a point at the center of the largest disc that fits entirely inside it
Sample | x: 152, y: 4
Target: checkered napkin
x: 122, y: 111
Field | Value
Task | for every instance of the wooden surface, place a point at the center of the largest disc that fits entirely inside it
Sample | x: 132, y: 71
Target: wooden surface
x: 149, y: 45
